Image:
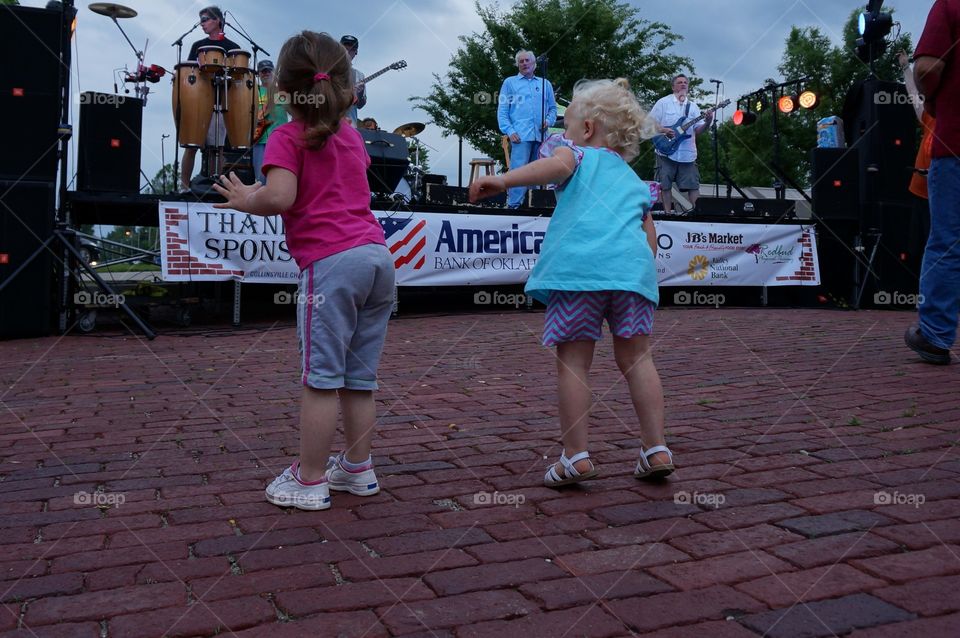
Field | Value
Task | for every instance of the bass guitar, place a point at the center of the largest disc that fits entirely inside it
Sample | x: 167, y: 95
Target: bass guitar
x: 667, y: 146
x: 263, y: 119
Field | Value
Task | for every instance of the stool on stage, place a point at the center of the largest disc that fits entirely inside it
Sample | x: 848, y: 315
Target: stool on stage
x: 477, y: 164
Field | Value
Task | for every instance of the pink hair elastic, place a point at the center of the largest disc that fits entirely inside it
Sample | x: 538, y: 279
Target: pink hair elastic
x: 320, y: 76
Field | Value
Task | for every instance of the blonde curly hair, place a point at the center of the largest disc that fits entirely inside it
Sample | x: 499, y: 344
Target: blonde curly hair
x: 612, y: 104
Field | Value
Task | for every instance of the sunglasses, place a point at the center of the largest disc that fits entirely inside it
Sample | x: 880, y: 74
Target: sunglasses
x: 206, y: 19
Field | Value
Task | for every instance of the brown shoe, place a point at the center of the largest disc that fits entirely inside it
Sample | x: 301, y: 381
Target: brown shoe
x: 927, y: 351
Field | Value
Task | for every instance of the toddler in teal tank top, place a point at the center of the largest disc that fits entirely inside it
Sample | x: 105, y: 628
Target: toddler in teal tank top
x: 596, y: 264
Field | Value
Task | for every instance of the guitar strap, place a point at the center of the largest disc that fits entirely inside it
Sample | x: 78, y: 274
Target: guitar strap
x: 686, y: 113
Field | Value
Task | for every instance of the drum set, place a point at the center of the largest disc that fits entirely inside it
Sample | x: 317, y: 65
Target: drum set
x: 219, y: 83
x: 219, y: 89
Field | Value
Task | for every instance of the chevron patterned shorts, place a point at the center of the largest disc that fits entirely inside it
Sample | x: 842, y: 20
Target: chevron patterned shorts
x: 579, y: 315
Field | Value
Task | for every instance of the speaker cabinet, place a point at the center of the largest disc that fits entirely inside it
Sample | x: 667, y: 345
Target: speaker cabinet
x: 109, y: 147
x: 26, y: 221
x: 447, y: 195
x: 541, y: 198
x: 389, y: 158
x: 30, y: 92
x: 884, y: 130
x: 836, y: 183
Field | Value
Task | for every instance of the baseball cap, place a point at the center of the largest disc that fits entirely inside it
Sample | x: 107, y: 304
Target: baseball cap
x: 264, y: 65
x: 349, y: 41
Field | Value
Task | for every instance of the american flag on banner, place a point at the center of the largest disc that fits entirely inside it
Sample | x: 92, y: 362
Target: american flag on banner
x: 405, y: 243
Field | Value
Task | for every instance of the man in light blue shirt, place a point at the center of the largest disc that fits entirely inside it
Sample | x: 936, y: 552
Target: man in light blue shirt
x: 527, y: 107
x: 681, y: 167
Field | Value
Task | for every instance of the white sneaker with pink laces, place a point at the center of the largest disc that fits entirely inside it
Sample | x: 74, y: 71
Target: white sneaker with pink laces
x: 362, y: 482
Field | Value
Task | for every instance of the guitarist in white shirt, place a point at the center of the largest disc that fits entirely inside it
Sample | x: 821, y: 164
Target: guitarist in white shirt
x: 680, y: 168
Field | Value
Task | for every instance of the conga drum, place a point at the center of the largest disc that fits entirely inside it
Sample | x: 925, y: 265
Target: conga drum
x: 212, y: 59
x: 194, y: 91
x: 238, y: 59
x: 241, y: 105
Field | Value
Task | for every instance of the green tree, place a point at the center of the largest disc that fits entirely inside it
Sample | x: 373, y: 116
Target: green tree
x: 583, y: 38
x: 748, y: 151
x: 164, y: 181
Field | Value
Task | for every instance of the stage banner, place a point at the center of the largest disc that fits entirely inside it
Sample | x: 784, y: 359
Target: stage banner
x: 701, y: 254
x: 202, y: 243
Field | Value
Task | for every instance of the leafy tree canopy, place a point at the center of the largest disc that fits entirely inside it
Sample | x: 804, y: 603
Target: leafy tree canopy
x: 583, y: 39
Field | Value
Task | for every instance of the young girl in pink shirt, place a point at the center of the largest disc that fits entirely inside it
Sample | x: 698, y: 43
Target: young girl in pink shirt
x: 316, y: 170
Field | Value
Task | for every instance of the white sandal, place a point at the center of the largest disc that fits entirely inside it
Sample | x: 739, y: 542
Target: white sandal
x: 647, y: 471
x: 570, y: 474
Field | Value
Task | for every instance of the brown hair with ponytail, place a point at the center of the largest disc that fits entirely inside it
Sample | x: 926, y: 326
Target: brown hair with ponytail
x: 320, y: 104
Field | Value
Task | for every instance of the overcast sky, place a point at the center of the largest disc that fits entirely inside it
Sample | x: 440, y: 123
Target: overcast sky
x: 739, y: 42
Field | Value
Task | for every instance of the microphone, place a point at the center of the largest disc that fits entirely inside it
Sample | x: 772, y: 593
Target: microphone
x: 542, y: 58
x: 716, y: 81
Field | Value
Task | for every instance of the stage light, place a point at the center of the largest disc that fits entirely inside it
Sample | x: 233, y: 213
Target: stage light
x: 787, y: 104
x: 744, y: 118
x: 875, y: 26
x: 759, y: 105
x: 809, y: 100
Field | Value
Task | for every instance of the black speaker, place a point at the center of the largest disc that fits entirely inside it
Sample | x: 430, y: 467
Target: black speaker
x: 837, y: 256
x: 109, y: 146
x: 443, y: 195
x: 542, y: 198
x: 447, y: 195
x: 26, y: 221
x: 746, y: 208
x: 836, y: 182
x: 899, y: 254
x: 389, y: 158
x: 884, y: 130
x: 31, y: 38
x: 29, y: 91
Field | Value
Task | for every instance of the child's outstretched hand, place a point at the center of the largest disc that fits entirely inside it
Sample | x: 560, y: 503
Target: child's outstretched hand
x: 485, y: 187
x: 235, y: 191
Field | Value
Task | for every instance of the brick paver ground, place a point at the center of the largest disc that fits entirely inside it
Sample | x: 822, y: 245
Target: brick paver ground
x: 817, y: 494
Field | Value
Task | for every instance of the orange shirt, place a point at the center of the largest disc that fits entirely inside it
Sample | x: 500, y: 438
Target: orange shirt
x: 918, y: 184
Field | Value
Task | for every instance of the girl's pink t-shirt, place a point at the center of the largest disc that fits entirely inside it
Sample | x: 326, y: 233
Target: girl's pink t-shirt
x: 332, y: 210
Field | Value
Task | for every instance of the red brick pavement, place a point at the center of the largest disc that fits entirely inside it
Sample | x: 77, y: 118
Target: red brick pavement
x: 817, y: 494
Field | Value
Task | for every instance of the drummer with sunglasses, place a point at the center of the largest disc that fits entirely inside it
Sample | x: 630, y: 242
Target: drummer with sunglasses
x: 211, y: 21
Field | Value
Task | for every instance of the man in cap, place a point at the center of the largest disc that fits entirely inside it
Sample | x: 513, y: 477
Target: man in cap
x: 352, y: 45
x: 267, y: 120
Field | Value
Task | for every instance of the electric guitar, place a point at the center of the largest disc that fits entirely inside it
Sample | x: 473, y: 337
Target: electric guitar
x: 667, y: 146
x: 263, y: 119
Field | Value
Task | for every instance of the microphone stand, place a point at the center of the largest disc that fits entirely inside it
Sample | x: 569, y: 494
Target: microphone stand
x: 716, y: 144
x: 176, y: 120
x: 543, y: 107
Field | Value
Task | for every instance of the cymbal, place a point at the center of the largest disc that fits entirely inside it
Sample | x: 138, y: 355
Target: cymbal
x: 113, y: 10
x: 410, y: 129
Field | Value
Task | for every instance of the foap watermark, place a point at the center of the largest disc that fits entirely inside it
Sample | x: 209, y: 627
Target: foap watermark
x: 99, y: 499
x: 284, y: 98
x: 469, y: 363
x: 885, y: 298
x: 696, y: 498
x: 499, y: 498
x: 485, y: 97
x: 284, y: 298
x: 697, y: 298
x: 101, y: 99
x: 886, y: 98
x: 896, y: 498
x: 497, y: 298
x: 97, y: 298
